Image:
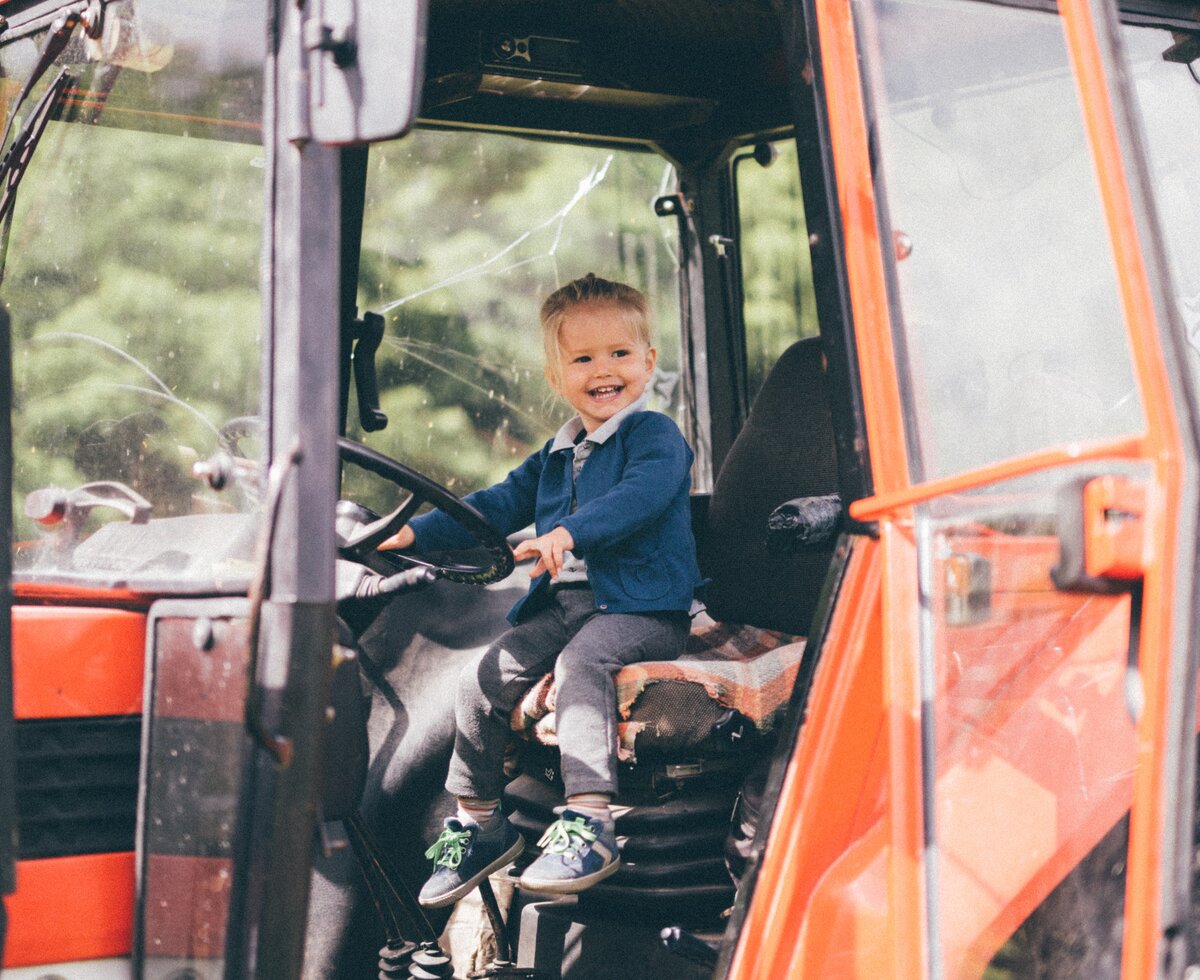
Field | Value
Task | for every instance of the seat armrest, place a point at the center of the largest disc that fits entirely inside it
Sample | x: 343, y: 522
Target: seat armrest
x: 803, y: 523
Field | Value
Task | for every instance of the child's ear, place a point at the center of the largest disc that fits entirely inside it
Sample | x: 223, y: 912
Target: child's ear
x: 552, y: 380
x: 651, y: 358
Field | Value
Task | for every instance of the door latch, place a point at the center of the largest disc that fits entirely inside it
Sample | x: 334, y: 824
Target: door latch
x: 1102, y: 540
x: 1102, y: 535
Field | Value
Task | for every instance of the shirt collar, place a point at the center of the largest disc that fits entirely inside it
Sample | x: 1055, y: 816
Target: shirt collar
x: 569, y: 433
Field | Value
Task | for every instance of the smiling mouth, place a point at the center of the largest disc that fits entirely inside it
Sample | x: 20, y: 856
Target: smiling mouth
x: 607, y: 391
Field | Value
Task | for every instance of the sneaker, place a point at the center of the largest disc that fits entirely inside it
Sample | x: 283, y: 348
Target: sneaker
x: 463, y: 856
x: 577, y: 852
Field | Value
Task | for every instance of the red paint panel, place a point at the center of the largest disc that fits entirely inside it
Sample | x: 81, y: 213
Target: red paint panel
x: 77, y: 662
x: 191, y: 906
x: 70, y: 908
x: 79, y: 595
x: 205, y: 682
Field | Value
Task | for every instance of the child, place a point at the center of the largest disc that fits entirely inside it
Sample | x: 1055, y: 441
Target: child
x: 613, y: 581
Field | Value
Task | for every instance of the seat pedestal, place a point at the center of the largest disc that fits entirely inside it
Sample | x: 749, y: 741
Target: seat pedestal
x: 557, y: 939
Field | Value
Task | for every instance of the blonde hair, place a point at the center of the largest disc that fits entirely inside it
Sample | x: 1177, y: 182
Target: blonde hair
x: 630, y: 304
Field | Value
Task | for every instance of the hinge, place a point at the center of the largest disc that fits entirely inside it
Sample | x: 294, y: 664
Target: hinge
x: 968, y: 588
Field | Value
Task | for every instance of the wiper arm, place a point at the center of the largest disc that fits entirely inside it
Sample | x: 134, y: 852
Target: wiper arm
x: 12, y: 167
x: 16, y: 160
x: 54, y: 45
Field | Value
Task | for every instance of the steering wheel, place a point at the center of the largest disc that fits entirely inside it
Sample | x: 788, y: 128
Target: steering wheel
x: 360, y: 532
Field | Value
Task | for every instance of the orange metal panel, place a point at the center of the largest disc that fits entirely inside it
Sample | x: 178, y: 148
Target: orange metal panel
x: 834, y: 793
x: 864, y: 256
x: 1143, y: 907
x: 906, y: 893
x: 70, y: 908
x: 1017, y: 564
x: 77, y: 662
x: 1043, y: 705
x: 890, y: 504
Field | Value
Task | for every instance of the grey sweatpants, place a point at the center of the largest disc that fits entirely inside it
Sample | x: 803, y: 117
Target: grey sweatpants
x: 585, y: 648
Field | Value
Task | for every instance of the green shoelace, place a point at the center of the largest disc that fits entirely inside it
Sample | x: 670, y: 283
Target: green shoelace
x: 565, y: 836
x: 447, y: 851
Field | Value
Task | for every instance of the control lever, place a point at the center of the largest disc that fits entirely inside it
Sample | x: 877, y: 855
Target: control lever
x: 368, y: 335
x: 54, y: 505
x: 372, y: 584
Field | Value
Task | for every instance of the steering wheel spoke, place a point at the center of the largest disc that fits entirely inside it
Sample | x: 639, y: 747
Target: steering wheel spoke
x: 362, y: 541
x: 370, y: 536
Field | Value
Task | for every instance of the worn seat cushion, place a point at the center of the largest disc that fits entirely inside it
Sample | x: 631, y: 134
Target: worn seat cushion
x: 673, y: 704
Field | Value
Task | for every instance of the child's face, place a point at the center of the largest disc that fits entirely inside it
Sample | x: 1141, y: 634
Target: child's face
x: 604, y: 366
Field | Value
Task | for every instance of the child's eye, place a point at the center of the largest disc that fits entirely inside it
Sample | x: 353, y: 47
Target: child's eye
x: 621, y: 353
x: 582, y: 359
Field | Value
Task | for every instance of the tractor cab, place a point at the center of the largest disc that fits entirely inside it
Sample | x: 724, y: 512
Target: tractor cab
x: 924, y: 285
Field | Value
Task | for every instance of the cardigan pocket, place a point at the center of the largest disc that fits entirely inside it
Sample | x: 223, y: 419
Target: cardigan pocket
x: 645, y: 579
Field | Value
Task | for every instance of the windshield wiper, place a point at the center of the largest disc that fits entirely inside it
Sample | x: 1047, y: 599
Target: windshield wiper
x: 54, y: 45
x: 16, y: 160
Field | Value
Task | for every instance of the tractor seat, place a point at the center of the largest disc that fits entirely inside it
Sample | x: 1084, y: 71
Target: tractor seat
x: 730, y: 685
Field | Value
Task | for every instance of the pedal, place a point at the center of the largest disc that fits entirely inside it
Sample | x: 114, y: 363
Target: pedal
x: 430, y: 963
x: 394, y: 959
x: 684, y: 944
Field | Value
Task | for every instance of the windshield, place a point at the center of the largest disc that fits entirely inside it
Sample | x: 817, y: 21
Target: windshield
x: 131, y: 275
x: 464, y: 236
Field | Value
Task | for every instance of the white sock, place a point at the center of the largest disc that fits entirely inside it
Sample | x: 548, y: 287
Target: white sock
x: 598, y: 805
x: 482, y: 812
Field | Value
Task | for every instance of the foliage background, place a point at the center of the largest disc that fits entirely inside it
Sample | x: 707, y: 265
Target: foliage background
x: 132, y: 278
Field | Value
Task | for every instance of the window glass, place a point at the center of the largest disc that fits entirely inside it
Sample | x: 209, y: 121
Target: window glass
x: 1168, y: 93
x: 1010, y: 317
x: 1032, y: 744
x: 464, y: 237
x: 778, y: 305
x: 131, y: 274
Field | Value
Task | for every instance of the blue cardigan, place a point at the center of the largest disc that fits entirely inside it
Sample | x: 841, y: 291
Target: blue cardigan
x: 632, y: 524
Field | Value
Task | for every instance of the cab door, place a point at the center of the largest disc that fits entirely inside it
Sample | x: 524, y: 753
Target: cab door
x: 1033, y: 450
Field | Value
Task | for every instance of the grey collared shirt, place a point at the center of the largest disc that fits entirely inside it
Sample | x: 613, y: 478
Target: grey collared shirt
x: 574, y: 569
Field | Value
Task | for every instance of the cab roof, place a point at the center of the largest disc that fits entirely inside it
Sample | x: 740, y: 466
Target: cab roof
x: 651, y: 70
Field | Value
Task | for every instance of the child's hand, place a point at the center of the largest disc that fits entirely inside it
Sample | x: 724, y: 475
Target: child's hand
x: 404, y: 538
x: 548, y: 549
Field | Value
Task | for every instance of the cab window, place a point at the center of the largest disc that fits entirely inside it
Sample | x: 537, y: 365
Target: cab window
x: 778, y: 305
x: 131, y: 274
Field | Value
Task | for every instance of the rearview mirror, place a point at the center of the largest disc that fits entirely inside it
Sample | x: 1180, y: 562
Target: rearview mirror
x: 366, y: 64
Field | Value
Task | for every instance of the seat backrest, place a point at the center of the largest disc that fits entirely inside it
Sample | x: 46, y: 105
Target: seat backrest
x: 785, y: 450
